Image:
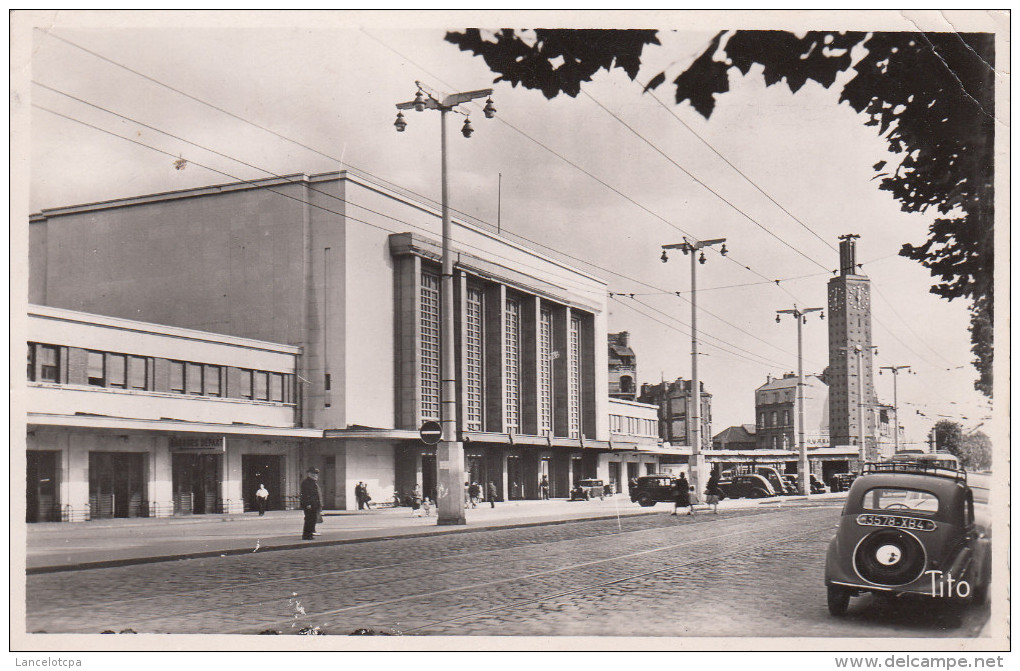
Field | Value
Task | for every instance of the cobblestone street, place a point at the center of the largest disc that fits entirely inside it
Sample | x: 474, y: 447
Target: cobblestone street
x: 742, y: 573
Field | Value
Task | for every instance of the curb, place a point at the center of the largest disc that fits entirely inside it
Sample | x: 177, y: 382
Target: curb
x: 113, y: 563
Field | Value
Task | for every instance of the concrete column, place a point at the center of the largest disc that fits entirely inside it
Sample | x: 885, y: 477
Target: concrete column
x: 76, y: 469
x: 230, y: 485
x: 160, y: 485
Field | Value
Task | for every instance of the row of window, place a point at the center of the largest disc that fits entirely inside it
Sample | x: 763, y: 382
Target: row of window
x: 512, y: 349
x: 774, y: 415
x: 634, y: 426
x: 114, y: 370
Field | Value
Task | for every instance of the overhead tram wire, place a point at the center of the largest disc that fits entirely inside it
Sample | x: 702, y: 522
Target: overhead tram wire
x: 738, y: 170
x: 268, y: 130
x: 725, y: 341
x: 340, y: 161
x: 263, y: 128
x: 285, y: 195
x: 596, y: 178
x: 692, y: 176
x: 273, y: 174
x: 204, y: 148
x: 399, y: 221
x: 767, y: 363
x: 272, y: 132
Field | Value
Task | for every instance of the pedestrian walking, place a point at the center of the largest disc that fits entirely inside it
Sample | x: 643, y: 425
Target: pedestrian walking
x: 474, y: 493
x: 682, y: 496
x: 491, y: 493
x: 366, y: 496
x: 359, y: 495
x: 311, y: 503
x: 416, y: 499
x: 426, y: 505
x: 543, y: 487
x: 261, y: 499
x: 713, y: 493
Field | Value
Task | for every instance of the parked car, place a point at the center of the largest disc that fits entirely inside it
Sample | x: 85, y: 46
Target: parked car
x: 780, y: 482
x: 650, y: 489
x: 909, y: 529
x: 750, y: 486
x: 841, y: 482
x: 586, y: 489
x: 817, y: 486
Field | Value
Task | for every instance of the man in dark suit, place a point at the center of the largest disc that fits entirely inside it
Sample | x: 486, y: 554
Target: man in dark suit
x: 311, y: 503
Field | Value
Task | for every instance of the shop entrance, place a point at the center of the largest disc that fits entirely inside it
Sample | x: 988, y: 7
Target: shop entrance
x: 632, y: 471
x: 428, y: 476
x: 116, y: 484
x: 515, y: 476
x: 475, y: 471
x: 196, y: 483
x: 41, y: 487
x: 614, y: 477
x: 264, y: 469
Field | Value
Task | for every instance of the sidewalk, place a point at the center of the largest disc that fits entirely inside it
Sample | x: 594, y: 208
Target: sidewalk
x: 104, y: 543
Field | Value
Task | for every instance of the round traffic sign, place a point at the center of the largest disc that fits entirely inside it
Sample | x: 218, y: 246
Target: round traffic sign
x: 431, y: 432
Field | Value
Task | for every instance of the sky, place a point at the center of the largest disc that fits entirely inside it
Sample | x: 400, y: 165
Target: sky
x: 575, y: 183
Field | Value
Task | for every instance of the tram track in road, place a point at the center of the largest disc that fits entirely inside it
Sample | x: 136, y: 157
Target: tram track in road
x: 319, y: 618
x: 262, y: 582
x: 596, y: 586
x: 154, y: 613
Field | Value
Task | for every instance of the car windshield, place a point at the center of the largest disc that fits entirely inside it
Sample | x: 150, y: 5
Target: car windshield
x: 894, y: 498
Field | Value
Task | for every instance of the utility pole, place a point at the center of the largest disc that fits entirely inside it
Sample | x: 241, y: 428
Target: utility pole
x: 895, y: 370
x: 450, y: 450
x: 694, y: 414
x: 802, y: 466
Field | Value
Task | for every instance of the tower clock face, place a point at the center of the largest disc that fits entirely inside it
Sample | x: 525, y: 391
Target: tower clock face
x: 835, y: 298
x: 858, y: 296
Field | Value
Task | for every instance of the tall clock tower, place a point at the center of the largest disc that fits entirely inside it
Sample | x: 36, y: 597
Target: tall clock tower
x: 851, y: 354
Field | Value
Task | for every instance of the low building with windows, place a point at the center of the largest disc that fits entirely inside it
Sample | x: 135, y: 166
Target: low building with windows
x: 131, y: 419
x: 342, y: 271
x: 634, y: 437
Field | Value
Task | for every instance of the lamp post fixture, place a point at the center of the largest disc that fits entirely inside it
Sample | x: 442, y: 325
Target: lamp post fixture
x: 895, y: 370
x: 694, y: 415
x: 450, y: 450
x: 802, y: 467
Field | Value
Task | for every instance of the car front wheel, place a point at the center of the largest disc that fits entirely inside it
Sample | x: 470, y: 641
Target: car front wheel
x: 839, y: 600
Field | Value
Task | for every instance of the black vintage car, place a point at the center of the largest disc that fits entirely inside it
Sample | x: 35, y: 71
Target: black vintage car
x: 747, y: 485
x: 649, y: 489
x: 841, y: 481
x: 909, y: 529
x: 588, y: 489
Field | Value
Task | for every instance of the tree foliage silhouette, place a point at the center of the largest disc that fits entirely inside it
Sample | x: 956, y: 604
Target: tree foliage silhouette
x: 930, y: 95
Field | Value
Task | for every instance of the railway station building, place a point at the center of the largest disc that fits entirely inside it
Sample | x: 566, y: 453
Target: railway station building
x: 187, y: 338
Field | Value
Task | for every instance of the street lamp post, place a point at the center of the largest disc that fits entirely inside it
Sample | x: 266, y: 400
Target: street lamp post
x: 694, y: 414
x: 895, y: 370
x: 802, y: 466
x: 450, y: 450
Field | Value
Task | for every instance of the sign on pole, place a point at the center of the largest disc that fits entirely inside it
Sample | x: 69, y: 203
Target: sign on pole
x: 431, y: 432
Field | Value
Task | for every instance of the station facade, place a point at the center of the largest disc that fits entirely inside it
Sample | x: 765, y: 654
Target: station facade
x: 294, y: 322
x: 129, y: 419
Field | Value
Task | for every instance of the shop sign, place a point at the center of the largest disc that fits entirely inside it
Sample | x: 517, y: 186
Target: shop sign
x: 216, y: 444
